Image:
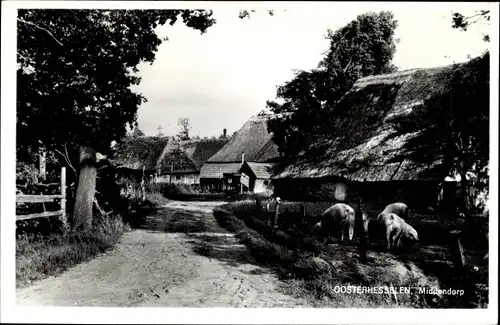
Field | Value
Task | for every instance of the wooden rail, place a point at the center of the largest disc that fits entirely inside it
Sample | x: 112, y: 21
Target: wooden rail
x: 23, y: 198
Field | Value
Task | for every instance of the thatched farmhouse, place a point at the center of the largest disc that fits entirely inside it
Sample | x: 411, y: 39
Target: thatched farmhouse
x: 362, y: 152
x: 181, y: 161
x: 139, y: 155
x: 246, y: 162
x: 164, y: 159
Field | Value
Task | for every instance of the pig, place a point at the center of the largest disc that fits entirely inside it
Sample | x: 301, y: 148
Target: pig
x: 398, y: 208
x: 397, y: 229
x: 338, y: 215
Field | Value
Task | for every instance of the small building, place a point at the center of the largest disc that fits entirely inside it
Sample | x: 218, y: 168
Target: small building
x: 253, y: 145
x: 258, y: 176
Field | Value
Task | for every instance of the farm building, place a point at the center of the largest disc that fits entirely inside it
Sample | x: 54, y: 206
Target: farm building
x: 139, y: 155
x: 181, y: 161
x: 246, y: 162
x: 364, y: 153
x: 165, y: 159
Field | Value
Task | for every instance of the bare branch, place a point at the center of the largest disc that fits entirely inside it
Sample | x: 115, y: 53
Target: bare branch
x: 101, y: 211
x: 67, y: 160
x: 22, y: 56
x: 67, y: 155
x: 347, y: 66
x: 46, y: 185
x: 39, y: 27
x: 480, y: 14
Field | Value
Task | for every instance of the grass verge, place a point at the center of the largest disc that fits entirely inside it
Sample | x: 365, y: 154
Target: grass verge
x: 313, y: 270
x: 38, y: 257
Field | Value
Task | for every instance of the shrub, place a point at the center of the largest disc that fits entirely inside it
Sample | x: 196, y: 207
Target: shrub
x: 172, y: 191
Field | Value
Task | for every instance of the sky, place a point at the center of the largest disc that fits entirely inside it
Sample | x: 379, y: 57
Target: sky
x: 223, y: 77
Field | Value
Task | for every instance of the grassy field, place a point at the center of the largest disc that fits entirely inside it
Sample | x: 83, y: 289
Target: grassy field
x: 313, y: 269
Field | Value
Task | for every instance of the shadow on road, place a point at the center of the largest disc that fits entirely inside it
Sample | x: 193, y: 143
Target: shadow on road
x: 201, y: 231
x: 177, y: 221
x: 221, y: 246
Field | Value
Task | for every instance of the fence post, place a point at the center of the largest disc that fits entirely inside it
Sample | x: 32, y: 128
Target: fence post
x: 276, y: 214
x: 44, y: 210
x: 63, y: 193
x: 302, y: 213
x: 363, y: 247
x: 457, y: 252
x: 363, y: 240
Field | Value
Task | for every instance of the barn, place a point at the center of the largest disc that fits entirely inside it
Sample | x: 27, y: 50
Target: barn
x: 362, y: 152
x: 246, y: 163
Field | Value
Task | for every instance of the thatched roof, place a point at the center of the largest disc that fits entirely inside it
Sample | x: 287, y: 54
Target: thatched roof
x: 199, y: 151
x: 363, y: 145
x: 253, y: 139
x: 216, y: 170
x: 187, y: 156
x: 165, y: 154
x: 140, y: 152
x: 262, y: 170
x: 174, y: 160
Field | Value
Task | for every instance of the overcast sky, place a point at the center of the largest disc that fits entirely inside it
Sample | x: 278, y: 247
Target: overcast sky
x: 221, y: 78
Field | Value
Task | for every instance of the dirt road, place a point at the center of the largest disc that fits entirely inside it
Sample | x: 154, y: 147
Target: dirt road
x: 181, y: 258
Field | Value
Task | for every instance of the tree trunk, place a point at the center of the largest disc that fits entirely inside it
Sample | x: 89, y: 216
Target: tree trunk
x: 82, y: 213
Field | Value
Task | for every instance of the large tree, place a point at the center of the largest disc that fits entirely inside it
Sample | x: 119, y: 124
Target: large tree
x: 306, y: 103
x: 75, y: 72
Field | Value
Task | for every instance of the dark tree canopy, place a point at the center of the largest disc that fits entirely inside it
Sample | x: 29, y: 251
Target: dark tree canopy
x: 306, y: 103
x: 76, y: 68
x: 74, y: 78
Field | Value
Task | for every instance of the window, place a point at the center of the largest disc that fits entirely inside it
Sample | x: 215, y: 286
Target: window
x: 177, y: 178
x: 266, y: 183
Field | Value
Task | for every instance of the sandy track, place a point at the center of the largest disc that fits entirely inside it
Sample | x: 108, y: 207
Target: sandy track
x: 181, y: 258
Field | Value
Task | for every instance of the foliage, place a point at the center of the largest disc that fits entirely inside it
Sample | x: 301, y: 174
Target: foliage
x: 185, y: 128
x: 76, y: 68
x: 172, y: 191
x: 459, y: 21
x: 27, y: 176
x: 137, y: 133
x: 306, y: 104
x: 40, y: 257
x: 247, y: 13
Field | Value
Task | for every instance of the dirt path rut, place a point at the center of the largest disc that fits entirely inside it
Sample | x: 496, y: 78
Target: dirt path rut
x: 181, y: 258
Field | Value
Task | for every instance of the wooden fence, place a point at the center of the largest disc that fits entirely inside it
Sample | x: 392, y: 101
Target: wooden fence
x: 23, y: 198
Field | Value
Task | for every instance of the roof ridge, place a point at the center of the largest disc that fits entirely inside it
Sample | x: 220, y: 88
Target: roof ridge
x: 406, y: 72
